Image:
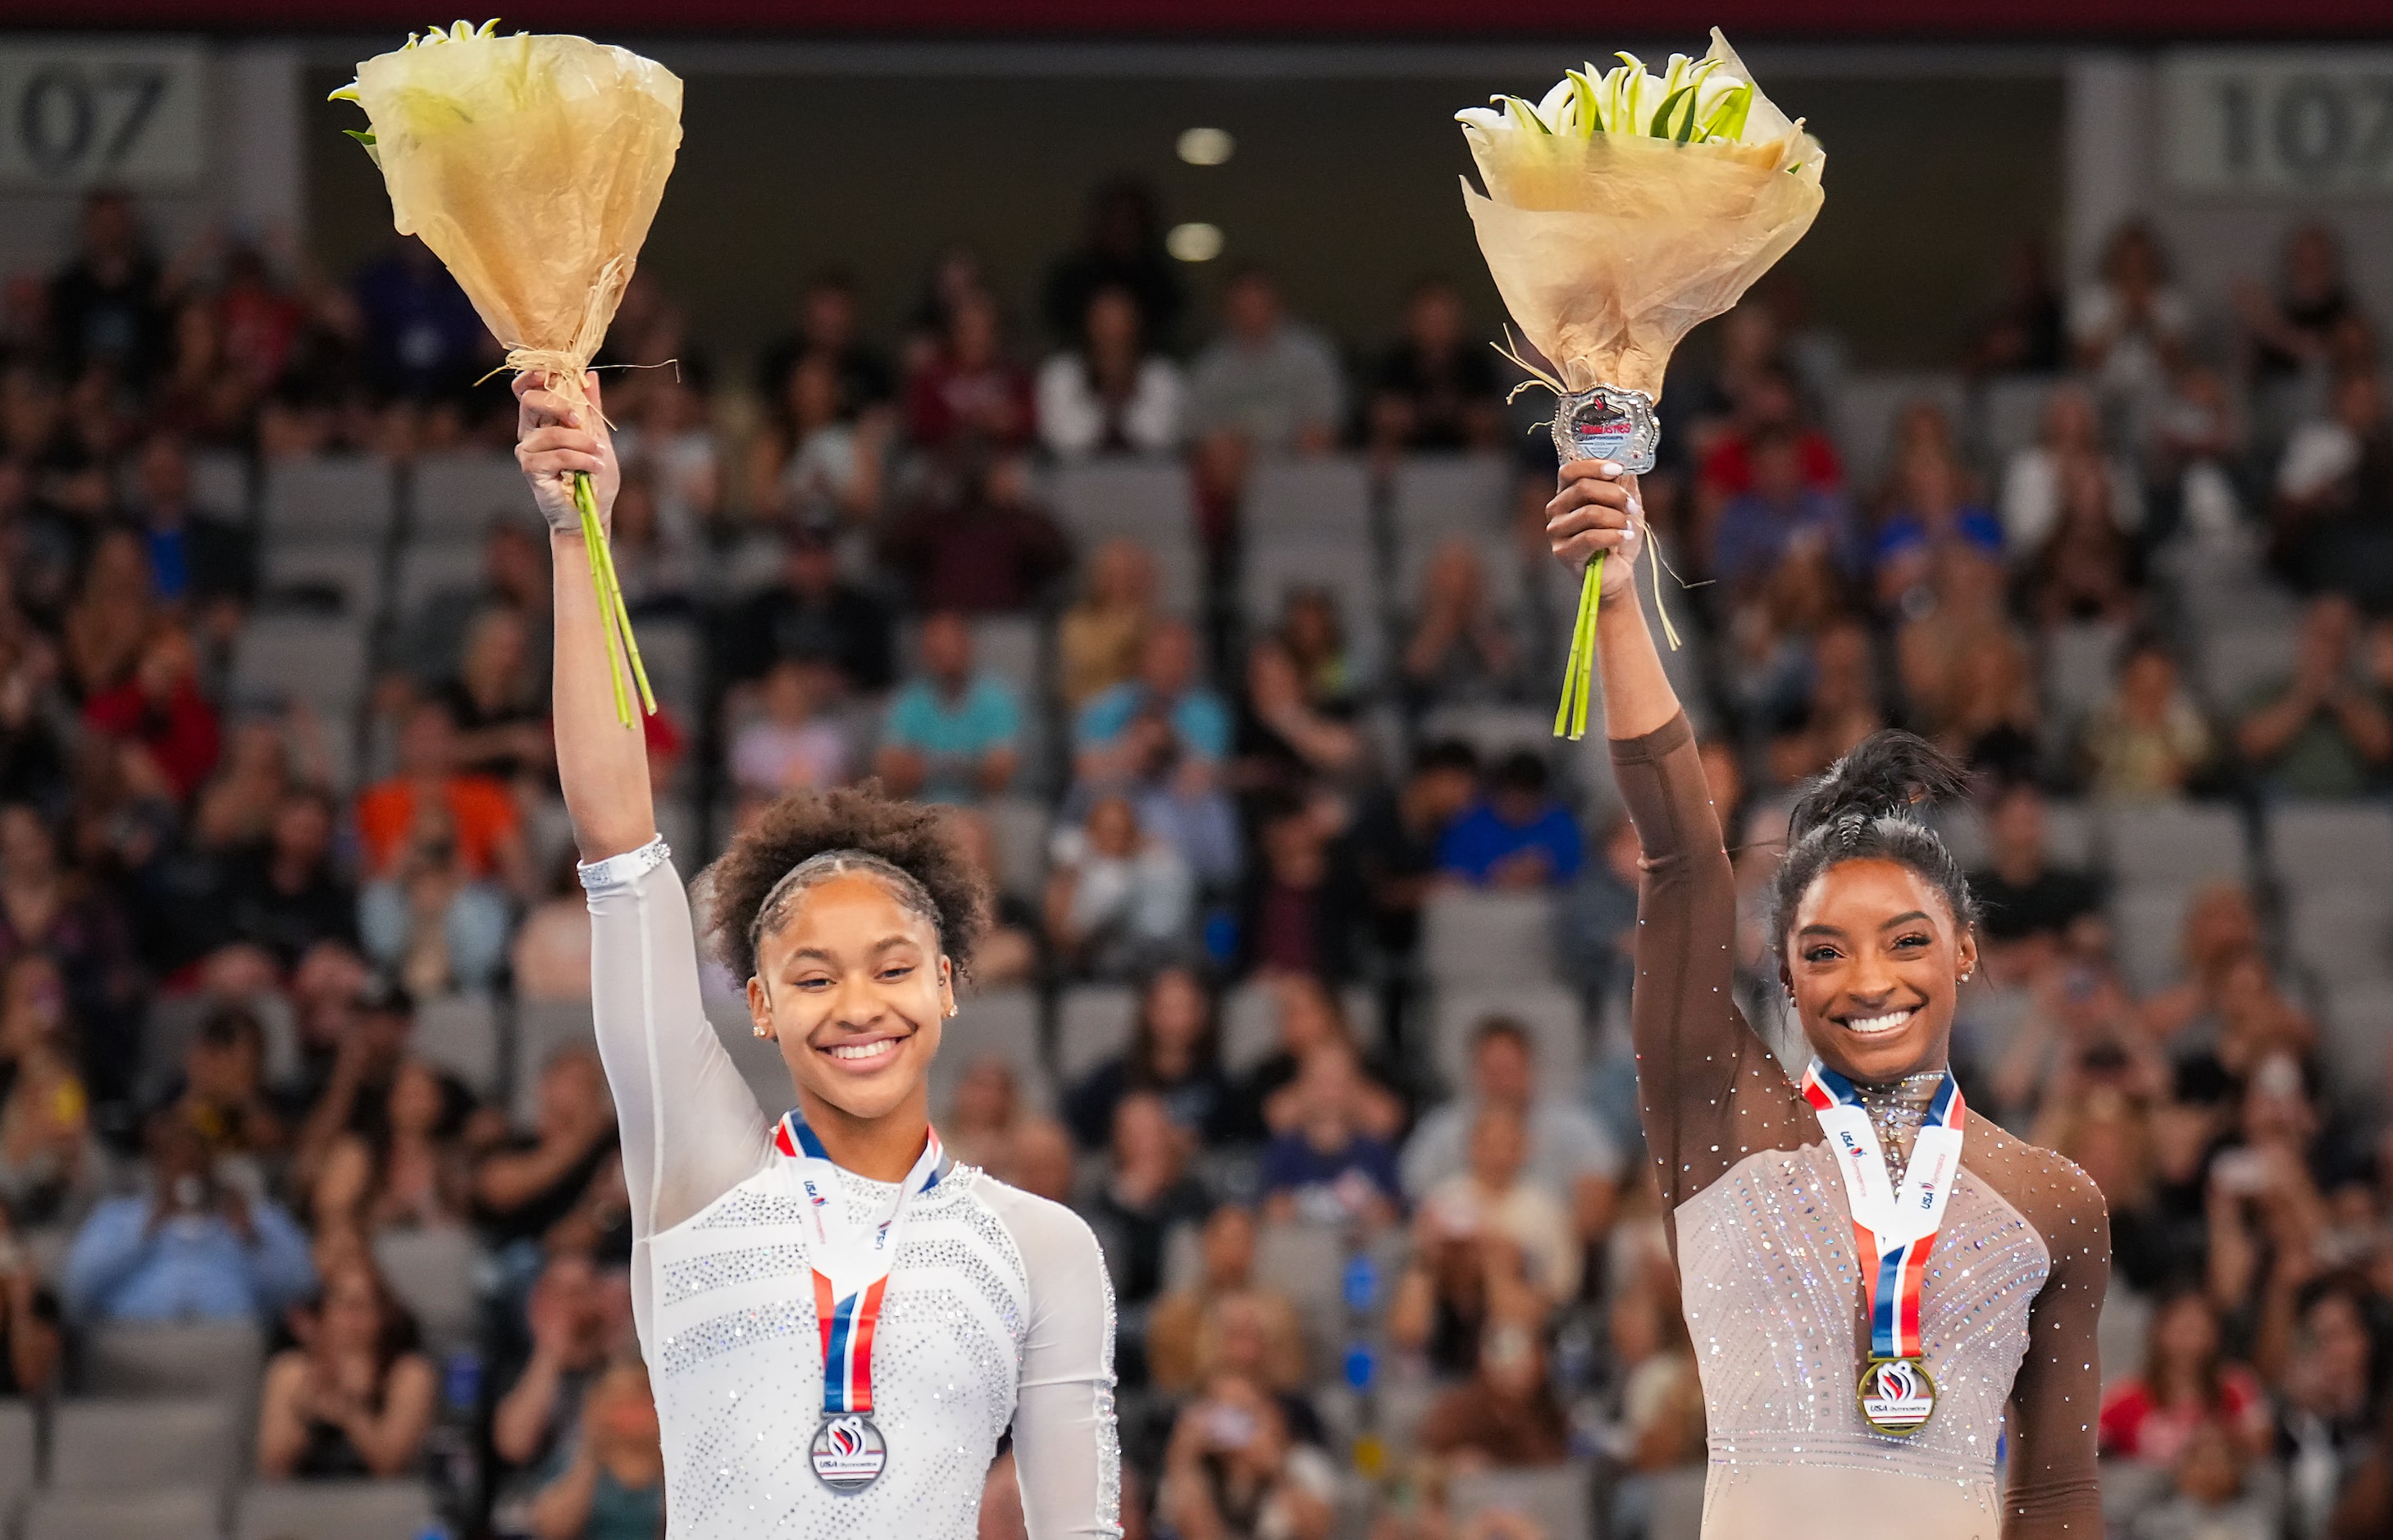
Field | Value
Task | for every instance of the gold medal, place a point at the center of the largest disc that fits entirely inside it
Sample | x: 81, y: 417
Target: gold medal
x: 1896, y: 1396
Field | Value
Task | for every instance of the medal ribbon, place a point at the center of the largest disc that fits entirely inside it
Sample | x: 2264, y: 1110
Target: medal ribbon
x: 851, y: 1261
x: 1895, y: 1229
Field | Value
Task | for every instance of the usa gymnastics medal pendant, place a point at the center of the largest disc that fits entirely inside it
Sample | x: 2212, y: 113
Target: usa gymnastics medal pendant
x: 848, y: 1454
x: 1896, y: 1398
x: 1607, y: 423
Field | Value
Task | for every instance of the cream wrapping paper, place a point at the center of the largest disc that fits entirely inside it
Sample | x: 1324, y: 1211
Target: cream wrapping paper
x: 532, y: 167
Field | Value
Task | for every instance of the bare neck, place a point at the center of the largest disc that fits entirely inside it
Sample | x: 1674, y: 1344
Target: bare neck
x: 880, y: 1149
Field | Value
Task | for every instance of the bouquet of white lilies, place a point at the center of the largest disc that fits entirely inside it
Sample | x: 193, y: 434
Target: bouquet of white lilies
x: 1621, y: 209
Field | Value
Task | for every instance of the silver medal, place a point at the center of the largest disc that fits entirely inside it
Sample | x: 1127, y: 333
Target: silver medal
x: 848, y: 1454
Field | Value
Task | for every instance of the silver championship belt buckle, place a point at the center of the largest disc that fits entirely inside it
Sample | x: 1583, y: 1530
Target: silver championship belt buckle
x: 1896, y: 1396
x: 1608, y: 423
x: 848, y: 1454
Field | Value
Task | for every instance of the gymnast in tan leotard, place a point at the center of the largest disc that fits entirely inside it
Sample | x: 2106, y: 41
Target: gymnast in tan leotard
x: 1893, y: 1300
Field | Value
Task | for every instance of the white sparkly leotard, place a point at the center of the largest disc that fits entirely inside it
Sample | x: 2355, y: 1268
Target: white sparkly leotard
x: 998, y: 1311
x: 1767, y: 1263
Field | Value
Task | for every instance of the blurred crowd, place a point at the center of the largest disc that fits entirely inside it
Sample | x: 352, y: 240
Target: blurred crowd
x: 280, y: 986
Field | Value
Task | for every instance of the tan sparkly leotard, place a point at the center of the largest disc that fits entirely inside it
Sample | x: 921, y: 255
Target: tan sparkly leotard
x: 1769, y: 1266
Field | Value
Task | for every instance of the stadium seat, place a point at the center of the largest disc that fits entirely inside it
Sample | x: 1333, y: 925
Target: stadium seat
x: 325, y: 500
x: 430, y: 567
x: 2079, y: 662
x: 2148, y: 923
x: 543, y: 1029
x: 1307, y: 1263
x: 1321, y: 501
x: 2182, y: 842
x: 1019, y: 827
x: 18, y: 1446
x: 2313, y: 846
x: 1558, y: 1500
x: 1499, y: 566
x: 113, y: 1445
x: 1249, y: 1022
x: 172, y: 1361
x: 2238, y: 660
x: 459, y: 495
x: 1092, y: 1023
x: 1552, y: 1015
x: 1000, y: 1024
x: 2356, y: 1044
x: 673, y: 652
x: 173, y: 1513
x: 460, y: 1033
x: 333, y: 1511
x: 1125, y: 495
x: 1432, y: 496
x: 1496, y: 731
x: 2009, y: 415
x: 1864, y: 414
x: 2342, y: 935
x: 220, y: 484
x: 1471, y: 935
x: 280, y: 658
x: 338, y: 580
x: 431, y: 1270
x: 1274, y: 567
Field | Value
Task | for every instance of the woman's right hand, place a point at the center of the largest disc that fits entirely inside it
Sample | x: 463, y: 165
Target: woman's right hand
x: 554, y: 437
x: 1597, y: 513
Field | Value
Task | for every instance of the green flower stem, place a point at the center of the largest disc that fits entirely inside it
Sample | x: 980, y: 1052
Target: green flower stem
x: 610, y: 600
x: 1578, y: 673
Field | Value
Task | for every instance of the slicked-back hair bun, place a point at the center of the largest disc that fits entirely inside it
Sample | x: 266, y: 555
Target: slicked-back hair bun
x: 1867, y: 808
x: 907, y: 845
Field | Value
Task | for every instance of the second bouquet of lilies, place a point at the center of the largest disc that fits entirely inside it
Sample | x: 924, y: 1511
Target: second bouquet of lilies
x: 533, y: 166
x: 1621, y: 210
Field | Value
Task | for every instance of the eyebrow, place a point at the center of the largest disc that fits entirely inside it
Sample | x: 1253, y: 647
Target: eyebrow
x: 1906, y: 918
x: 1816, y: 928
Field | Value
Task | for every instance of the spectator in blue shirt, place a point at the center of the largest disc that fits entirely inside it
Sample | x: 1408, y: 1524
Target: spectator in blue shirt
x: 194, y: 1249
x: 1516, y: 836
x: 1166, y: 690
x: 1323, y: 1165
x: 951, y: 733
x: 1760, y: 528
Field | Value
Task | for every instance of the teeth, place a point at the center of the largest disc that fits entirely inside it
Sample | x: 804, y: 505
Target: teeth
x: 1867, y: 1025
x: 874, y: 1050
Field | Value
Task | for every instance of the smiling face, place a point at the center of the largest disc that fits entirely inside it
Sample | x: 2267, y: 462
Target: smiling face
x: 854, y: 986
x: 1874, y: 960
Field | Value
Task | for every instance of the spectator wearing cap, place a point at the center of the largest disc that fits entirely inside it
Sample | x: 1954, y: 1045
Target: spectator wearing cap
x: 813, y: 615
x: 194, y: 1247
x: 1516, y: 835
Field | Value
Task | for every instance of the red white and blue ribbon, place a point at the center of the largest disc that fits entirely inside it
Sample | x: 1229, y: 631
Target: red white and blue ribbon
x: 1895, y: 1230
x: 851, y: 1260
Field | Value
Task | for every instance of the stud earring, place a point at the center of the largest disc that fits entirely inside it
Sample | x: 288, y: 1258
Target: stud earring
x: 761, y: 1030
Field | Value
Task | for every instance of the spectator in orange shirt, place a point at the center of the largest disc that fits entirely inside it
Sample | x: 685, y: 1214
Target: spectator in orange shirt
x: 442, y: 850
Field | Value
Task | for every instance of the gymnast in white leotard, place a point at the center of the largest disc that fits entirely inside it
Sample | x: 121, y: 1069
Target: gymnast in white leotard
x: 840, y: 1323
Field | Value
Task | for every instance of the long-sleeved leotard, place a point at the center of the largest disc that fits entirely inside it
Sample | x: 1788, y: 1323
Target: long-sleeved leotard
x: 998, y: 1309
x: 1769, y: 1265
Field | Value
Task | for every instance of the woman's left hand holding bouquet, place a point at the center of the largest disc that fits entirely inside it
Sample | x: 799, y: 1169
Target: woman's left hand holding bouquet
x: 557, y: 439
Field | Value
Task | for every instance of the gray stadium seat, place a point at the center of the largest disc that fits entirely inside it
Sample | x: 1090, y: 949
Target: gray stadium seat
x: 674, y: 653
x: 1307, y: 1263
x: 1249, y: 1022
x: 2316, y: 845
x: 431, y: 1270
x: 1092, y: 1023
x: 174, y: 1513
x: 759, y: 1061
x: 2239, y: 660
x: 1000, y: 1024
x: 1019, y: 825
x: 333, y: 1511
x: 463, y: 494
x: 119, y: 1446
x: 2343, y: 935
x: 2148, y: 926
x: 1559, y: 1499
x: 1273, y: 566
x: 1312, y: 500
x: 347, y: 579
x: 1474, y: 936
x: 328, y: 500
x: 460, y: 1033
x: 2078, y: 666
x: 1551, y: 1013
x: 1499, y: 563
x: 2009, y: 415
x: 2356, y: 1043
x: 1148, y: 499
x: 1866, y: 405
x: 543, y: 1029
x: 2174, y: 842
x: 2068, y: 833
x: 1432, y: 496
x: 220, y: 483
x: 172, y: 1361
x: 1496, y: 731
x: 278, y: 658
x: 17, y: 1448
x: 430, y: 567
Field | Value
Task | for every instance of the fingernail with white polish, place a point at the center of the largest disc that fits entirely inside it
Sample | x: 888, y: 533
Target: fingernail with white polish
x: 1636, y: 508
x: 1611, y: 467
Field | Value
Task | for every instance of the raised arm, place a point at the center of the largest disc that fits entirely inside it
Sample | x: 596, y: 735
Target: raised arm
x: 1697, y: 1061
x: 691, y: 1130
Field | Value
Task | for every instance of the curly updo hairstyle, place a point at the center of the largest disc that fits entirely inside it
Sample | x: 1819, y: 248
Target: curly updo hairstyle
x: 1866, y: 808
x: 813, y: 836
